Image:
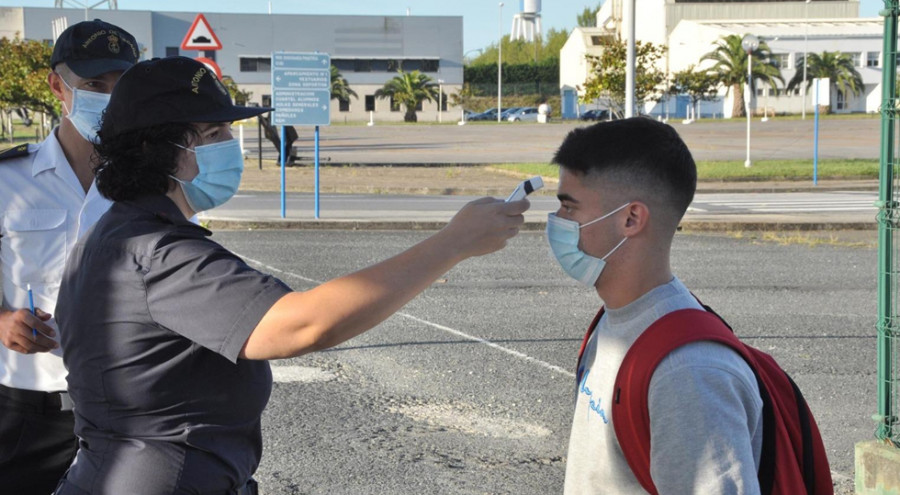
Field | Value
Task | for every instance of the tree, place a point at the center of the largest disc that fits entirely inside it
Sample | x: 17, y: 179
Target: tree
x: 699, y: 85
x: 239, y: 96
x: 607, y: 78
x: 836, y: 66
x: 588, y: 17
x: 409, y: 89
x: 24, y: 65
x: 540, y: 50
x: 340, y: 88
x: 730, y: 68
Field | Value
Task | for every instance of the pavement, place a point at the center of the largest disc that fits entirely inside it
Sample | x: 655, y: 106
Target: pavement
x: 403, y: 211
x: 416, y: 177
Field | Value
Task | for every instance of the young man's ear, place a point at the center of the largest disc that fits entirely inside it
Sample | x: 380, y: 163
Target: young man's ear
x: 637, y: 219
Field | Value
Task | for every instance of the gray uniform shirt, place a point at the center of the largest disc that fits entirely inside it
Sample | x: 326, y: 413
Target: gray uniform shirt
x: 153, y: 315
x: 705, y: 411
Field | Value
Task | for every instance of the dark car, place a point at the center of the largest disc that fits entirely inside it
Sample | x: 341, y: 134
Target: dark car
x: 489, y: 114
x: 595, y: 114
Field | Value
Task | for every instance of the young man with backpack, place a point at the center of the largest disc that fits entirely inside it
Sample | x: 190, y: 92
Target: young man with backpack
x: 702, y: 415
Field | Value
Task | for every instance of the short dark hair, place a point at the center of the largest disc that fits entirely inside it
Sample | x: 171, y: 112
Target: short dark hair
x: 138, y: 163
x: 637, y: 152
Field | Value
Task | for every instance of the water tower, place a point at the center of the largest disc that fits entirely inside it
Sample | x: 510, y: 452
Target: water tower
x: 527, y: 23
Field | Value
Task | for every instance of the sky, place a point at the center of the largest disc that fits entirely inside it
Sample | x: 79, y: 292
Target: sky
x: 482, y: 19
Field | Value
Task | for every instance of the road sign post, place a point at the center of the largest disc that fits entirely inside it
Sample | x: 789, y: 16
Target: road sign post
x: 301, y: 95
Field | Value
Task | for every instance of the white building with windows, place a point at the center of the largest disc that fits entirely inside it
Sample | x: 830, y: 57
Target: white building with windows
x: 689, y: 30
x: 788, y: 40
x: 368, y: 50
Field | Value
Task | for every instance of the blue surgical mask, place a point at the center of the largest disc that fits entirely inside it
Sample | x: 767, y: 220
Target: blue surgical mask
x: 221, y: 165
x: 563, y: 236
x: 87, y: 107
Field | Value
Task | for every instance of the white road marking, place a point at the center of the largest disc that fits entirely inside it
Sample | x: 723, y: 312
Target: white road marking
x: 300, y: 374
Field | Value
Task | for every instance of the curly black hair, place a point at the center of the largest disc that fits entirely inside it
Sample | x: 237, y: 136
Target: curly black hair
x: 138, y: 163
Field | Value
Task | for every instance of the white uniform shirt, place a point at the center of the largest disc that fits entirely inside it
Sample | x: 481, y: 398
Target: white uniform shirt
x: 43, y: 211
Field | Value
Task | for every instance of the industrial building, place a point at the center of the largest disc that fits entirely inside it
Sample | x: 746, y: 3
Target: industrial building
x: 689, y: 30
x: 368, y: 50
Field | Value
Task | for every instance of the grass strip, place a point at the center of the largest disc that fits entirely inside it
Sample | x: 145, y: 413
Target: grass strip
x: 735, y: 170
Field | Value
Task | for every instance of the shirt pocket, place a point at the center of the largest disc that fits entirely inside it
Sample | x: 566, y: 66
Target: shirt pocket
x: 34, y: 247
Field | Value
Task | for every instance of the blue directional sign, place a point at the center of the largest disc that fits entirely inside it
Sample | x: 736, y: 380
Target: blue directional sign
x: 301, y: 88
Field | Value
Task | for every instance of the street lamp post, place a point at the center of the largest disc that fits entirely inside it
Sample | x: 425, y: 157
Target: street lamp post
x: 749, y: 43
x: 805, y: 50
x: 440, y: 100
x: 499, y: 61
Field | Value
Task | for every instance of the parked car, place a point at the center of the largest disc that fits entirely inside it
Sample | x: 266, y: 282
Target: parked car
x: 529, y: 114
x: 595, y: 114
x: 489, y: 114
x: 507, y: 112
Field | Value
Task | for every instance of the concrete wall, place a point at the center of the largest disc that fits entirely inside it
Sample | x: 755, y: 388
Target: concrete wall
x: 406, y: 38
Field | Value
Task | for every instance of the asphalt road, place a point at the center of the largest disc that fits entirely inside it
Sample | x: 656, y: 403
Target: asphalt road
x: 825, y: 207
x: 469, y: 390
x: 531, y: 142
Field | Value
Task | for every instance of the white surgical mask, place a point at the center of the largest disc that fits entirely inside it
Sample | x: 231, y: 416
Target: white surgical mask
x: 221, y: 165
x: 564, y: 235
x: 87, y: 108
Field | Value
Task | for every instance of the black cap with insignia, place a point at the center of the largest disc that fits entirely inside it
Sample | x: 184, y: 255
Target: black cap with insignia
x: 167, y: 90
x: 92, y: 48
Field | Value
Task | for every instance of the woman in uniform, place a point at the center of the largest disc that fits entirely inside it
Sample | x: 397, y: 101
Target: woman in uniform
x: 166, y: 334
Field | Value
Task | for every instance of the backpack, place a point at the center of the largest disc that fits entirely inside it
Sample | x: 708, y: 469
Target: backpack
x: 793, y: 459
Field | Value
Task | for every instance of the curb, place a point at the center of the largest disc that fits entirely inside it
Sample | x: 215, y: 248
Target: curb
x: 686, y: 226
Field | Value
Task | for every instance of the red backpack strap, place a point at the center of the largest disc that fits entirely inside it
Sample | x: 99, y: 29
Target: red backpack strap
x: 579, y: 370
x: 630, y: 410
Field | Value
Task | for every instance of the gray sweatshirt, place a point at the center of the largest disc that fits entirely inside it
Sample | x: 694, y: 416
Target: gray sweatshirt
x: 705, y: 411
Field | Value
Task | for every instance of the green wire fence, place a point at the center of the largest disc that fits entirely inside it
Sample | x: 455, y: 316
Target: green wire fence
x: 888, y: 428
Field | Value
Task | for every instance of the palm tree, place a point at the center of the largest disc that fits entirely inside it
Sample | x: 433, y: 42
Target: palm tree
x: 730, y: 68
x: 340, y: 88
x: 836, y: 66
x: 409, y: 89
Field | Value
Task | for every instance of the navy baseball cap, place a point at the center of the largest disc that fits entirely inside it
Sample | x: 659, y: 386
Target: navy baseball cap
x: 91, y: 48
x: 168, y: 90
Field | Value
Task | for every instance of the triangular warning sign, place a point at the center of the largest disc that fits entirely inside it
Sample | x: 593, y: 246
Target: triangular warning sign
x: 200, y: 36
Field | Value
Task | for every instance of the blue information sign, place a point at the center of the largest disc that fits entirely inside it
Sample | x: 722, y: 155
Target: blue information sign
x: 301, y: 88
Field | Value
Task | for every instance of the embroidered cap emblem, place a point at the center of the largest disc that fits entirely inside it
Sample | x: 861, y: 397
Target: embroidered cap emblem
x: 113, y: 45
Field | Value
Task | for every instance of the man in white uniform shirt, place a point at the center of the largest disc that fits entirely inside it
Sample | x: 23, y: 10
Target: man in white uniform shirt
x: 47, y: 201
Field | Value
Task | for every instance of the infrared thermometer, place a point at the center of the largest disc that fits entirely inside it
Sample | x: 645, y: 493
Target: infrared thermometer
x: 525, y: 188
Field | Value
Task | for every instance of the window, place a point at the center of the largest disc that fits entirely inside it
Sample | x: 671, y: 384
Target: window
x: 267, y: 100
x: 394, y: 65
x: 395, y: 105
x: 596, y: 40
x: 419, y: 106
x: 256, y: 64
x: 780, y: 60
x: 343, y: 105
x: 856, y: 57
x: 443, y: 102
x: 431, y: 65
x: 362, y: 66
x: 210, y: 54
x: 872, y: 59
x: 370, y: 103
x: 172, y: 51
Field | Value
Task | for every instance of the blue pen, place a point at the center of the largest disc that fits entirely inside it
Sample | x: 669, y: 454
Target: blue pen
x: 31, y: 306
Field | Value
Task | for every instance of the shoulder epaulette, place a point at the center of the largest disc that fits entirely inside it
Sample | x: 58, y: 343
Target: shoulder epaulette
x: 14, y: 152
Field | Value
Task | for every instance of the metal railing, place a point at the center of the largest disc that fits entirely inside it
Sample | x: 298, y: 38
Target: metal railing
x: 888, y: 426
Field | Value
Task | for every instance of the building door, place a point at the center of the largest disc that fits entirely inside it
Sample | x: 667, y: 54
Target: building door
x: 569, y: 99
